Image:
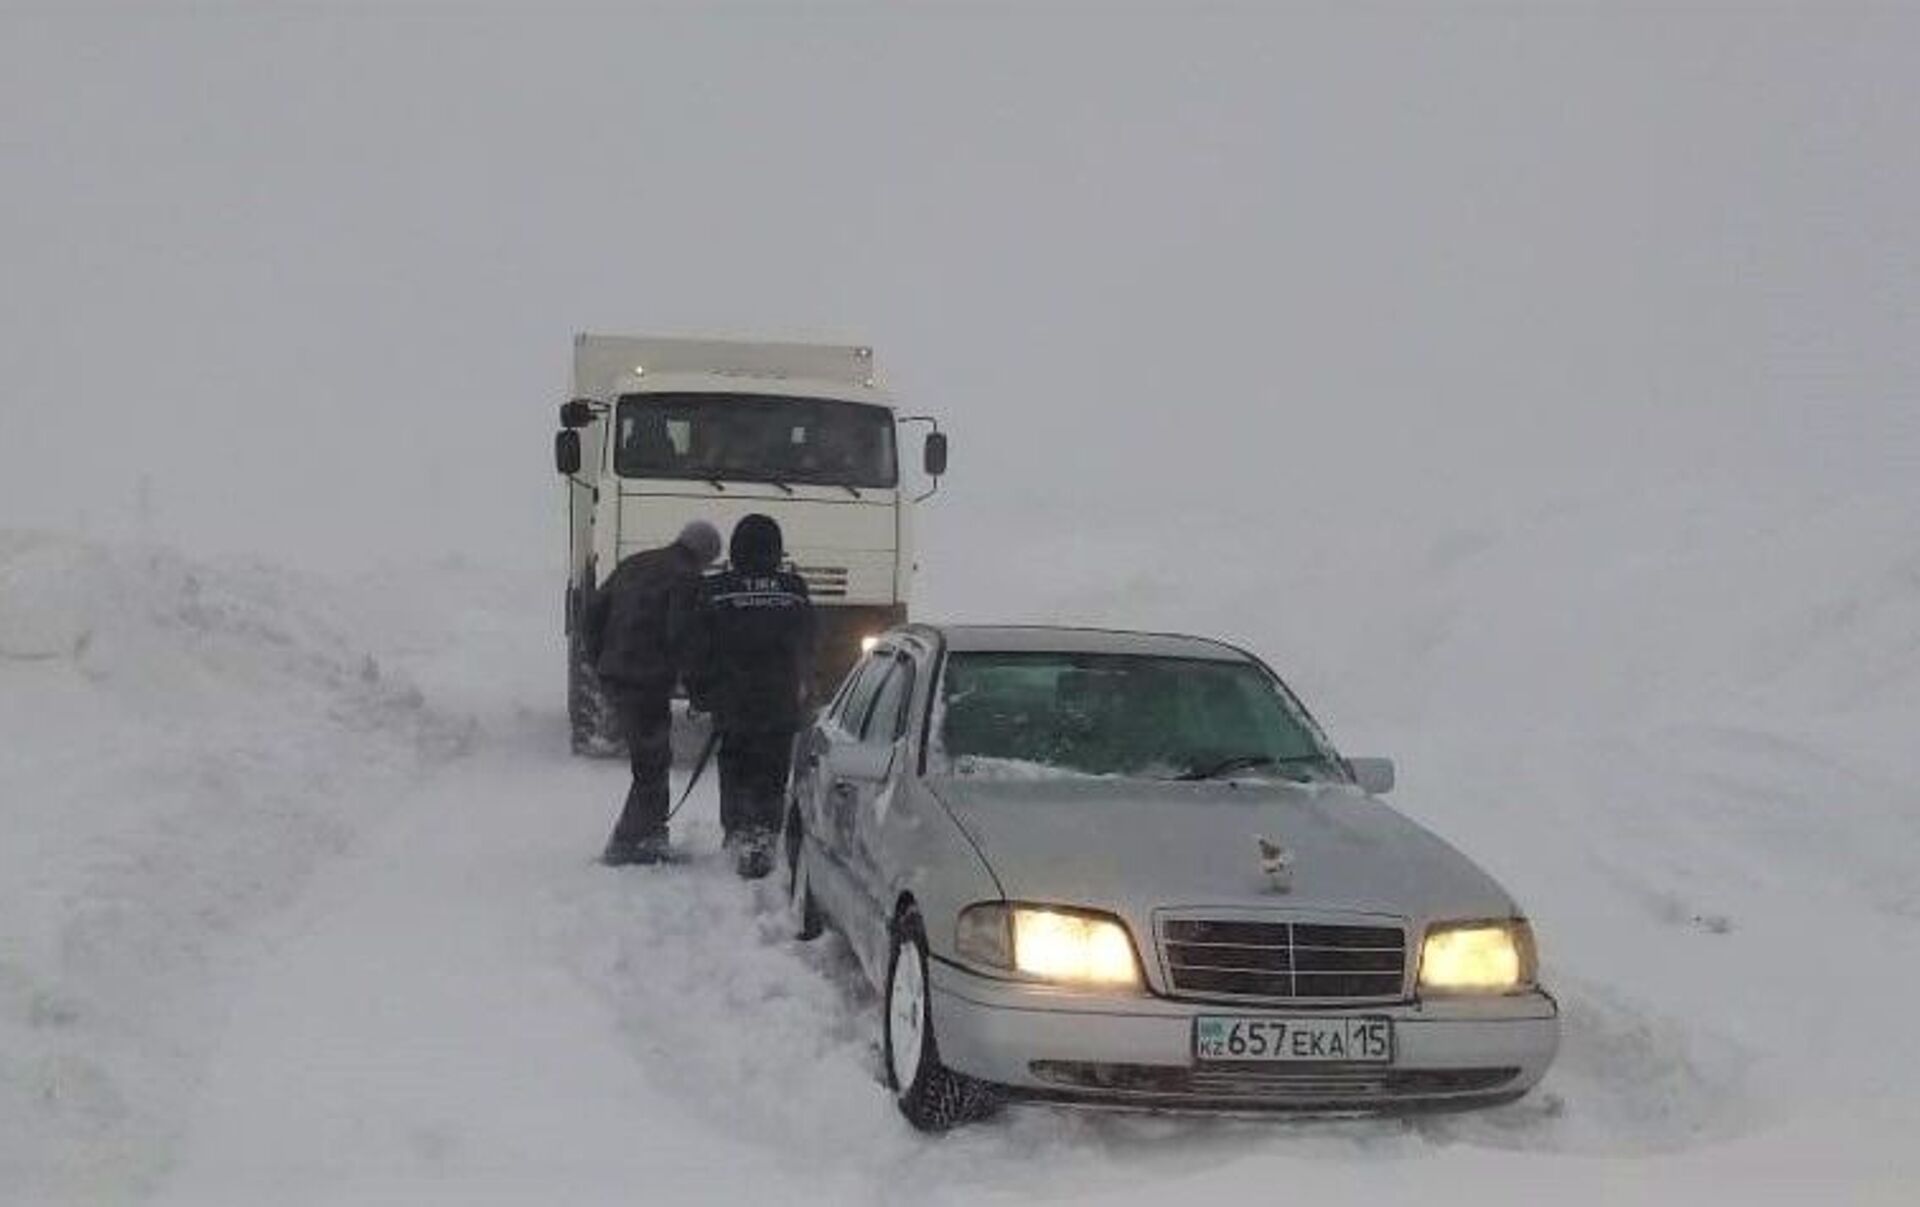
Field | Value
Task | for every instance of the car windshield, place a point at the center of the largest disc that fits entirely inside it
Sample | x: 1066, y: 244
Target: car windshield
x: 754, y: 437
x: 1122, y: 714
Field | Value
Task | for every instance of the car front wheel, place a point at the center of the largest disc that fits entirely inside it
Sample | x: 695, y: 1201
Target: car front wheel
x: 931, y: 1096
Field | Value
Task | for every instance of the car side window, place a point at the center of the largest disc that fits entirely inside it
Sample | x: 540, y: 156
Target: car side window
x: 852, y: 709
x: 890, y: 704
x: 837, y: 703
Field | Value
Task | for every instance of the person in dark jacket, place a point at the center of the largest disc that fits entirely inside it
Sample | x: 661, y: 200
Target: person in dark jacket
x: 750, y: 663
x: 634, y: 628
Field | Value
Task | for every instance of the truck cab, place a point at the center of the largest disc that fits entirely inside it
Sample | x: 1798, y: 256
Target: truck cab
x: 662, y: 431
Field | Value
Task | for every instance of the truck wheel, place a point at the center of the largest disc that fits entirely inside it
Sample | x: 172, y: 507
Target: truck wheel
x: 933, y: 1097
x: 589, y: 714
x: 801, y: 907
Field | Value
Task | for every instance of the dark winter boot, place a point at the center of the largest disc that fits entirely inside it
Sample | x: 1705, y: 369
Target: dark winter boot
x: 752, y: 853
x: 622, y: 852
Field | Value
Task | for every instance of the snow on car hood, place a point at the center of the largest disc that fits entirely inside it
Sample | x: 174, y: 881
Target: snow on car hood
x: 1133, y: 846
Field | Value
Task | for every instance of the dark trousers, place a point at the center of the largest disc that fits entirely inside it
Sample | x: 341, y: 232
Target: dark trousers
x: 646, y: 722
x: 753, y: 780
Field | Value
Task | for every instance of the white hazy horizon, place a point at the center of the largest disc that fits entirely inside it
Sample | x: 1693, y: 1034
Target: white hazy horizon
x: 302, y: 281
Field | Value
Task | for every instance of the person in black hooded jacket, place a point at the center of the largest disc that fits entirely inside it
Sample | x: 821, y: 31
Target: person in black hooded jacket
x: 750, y: 664
x: 632, y: 630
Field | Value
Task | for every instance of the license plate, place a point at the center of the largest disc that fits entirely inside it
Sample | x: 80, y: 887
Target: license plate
x: 1353, y: 1040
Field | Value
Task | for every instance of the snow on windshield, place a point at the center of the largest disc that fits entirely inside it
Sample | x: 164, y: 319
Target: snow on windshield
x: 983, y: 767
x: 1117, y: 714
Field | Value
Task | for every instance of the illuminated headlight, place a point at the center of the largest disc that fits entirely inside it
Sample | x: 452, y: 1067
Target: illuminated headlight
x: 1478, y: 957
x: 1072, y: 947
x: 867, y: 643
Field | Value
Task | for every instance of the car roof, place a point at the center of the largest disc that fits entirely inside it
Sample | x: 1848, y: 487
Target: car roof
x: 1049, y: 639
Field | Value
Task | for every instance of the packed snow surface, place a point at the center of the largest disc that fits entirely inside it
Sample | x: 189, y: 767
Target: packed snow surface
x: 297, y: 900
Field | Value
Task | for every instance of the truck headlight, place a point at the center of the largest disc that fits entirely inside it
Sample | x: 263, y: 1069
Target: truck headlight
x: 1066, y: 946
x: 1477, y: 957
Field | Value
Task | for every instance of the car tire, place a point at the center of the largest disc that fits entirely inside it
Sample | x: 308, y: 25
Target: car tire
x: 933, y: 1097
x: 801, y: 907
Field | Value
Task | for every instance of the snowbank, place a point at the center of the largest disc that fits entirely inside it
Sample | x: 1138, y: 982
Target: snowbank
x: 184, y: 742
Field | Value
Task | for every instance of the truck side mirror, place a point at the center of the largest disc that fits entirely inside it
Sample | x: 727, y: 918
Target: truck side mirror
x: 566, y: 452
x: 934, y: 455
x: 578, y: 413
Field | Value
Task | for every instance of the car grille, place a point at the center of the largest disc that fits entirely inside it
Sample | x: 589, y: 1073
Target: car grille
x: 1284, y: 961
x: 829, y: 581
x: 1270, y: 1087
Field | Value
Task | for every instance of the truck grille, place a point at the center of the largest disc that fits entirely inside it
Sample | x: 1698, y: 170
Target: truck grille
x: 1284, y: 961
x: 829, y: 581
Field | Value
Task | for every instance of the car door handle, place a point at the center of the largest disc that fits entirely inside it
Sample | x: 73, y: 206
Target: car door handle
x: 842, y: 788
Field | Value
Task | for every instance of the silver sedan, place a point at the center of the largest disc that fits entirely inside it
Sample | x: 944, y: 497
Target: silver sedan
x: 1130, y: 869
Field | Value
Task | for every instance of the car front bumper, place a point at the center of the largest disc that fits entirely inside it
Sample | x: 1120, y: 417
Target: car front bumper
x: 1041, y: 1042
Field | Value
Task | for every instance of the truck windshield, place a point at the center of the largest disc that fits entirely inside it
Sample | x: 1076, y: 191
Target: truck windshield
x: 754, y: 437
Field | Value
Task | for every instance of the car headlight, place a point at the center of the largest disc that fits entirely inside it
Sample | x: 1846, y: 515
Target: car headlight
x: 1067, y: 946
x: 868, y: 642
x: 1478, y: 957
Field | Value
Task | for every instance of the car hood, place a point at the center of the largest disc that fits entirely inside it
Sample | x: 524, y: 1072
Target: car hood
x: 1133, y: 846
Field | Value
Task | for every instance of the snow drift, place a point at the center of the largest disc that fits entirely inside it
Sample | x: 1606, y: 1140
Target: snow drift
x: 184, y: 742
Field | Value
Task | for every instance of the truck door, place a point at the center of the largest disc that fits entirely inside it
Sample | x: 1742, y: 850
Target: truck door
x: 606, y: 500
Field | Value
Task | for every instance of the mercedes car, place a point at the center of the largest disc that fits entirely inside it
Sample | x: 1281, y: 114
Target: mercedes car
x: 1131, y: 869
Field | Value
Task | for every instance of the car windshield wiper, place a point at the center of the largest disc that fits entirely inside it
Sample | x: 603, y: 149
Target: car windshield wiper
x: 850, y: 489
x: 1247, y: 762
x: 781, y: 485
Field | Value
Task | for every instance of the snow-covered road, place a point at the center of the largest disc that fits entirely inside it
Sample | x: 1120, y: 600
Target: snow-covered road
x: 322, y: 924
x: 471, y: 1011
x: 414, y: 1033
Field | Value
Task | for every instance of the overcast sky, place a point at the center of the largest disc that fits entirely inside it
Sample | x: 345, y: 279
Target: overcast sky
x: 311, y: 273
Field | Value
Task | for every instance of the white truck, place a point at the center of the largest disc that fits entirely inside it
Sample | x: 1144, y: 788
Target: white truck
x: 662, y: 431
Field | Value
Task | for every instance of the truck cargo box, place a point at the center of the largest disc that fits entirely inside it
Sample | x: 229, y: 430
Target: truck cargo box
x: 600, y: 362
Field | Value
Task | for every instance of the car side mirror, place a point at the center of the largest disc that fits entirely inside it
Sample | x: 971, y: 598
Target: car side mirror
x: 566, y: 452
x: 578, y: 413
x: 1375, y: 776
x: 866, y: 762
x: 934, y: 455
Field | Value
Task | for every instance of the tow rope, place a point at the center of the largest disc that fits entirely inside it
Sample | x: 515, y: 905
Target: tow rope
x: 700, y: 765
